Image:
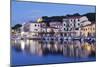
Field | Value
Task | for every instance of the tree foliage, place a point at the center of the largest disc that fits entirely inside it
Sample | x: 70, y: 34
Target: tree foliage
x: 17, y: 26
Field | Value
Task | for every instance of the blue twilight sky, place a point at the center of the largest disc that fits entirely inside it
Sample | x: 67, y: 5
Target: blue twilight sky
x: 26, y: 11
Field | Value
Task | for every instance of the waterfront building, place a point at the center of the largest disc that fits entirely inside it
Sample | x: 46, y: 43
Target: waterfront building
x: 15, y: 33
x: 78, y: 22
x: 66, y: 27
x: 32, y: 28
x: 69, y: 27
x: 72, y: 25
x: 88, y: 30
x: 49, y: 31
x: 57, y: 25
x: 84, y: 21
x: 35, y: 48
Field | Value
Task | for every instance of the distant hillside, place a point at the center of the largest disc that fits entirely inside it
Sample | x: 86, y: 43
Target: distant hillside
x: 17, y: 26
x: 90, y: 16
x: 53, y: 18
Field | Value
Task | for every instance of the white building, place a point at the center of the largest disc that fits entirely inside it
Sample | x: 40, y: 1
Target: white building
x: 71, y: 25
x: 57, y: 26
x: 84, y: 21
x: 32, y: 28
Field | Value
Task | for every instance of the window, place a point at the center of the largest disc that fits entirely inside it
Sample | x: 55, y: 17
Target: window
x: 70, y: 29
x: 77, y: 29
x: 93, y: 28
x: 70, y: 24
x: 74, y: 25
x: 78, y: 19
x: 74, y: 20
x: 35, y: 25
x: 71, y: 20
x: 64, y: 24
x: 61, y: 34
x: 67, y: 29
x: 67, y: 25
x: 36, y: 29
x: 64, y: 29
x: 65, y: 34
x: 78, y: 24
x: 86, y: 29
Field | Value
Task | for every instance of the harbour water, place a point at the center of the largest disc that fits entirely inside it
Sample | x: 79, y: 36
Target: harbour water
x: 32, y: 52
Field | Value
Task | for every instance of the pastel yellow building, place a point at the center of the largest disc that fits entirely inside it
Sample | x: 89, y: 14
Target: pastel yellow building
x: 88, y: 30
x: 39, y: 20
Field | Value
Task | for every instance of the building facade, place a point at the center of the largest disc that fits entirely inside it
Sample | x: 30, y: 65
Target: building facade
x: 88, y: 30
x: 32, y: 29
x: 71, y: 26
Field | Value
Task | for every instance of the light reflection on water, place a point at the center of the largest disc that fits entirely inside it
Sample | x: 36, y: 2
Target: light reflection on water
x: 73, y: 48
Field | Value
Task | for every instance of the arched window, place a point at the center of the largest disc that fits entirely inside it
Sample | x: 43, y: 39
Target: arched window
x: 35, y: 25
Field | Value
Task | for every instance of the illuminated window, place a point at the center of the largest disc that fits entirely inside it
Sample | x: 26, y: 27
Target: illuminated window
x: 64, y: 24
x: 78, y: 19
x: 67, y: 29
x: 71, y: 20
x: 64, y: 29
x: 84, y: 29
x: 91, y: 28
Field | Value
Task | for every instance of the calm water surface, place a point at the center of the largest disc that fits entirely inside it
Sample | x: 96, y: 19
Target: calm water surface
x: 25, y: 52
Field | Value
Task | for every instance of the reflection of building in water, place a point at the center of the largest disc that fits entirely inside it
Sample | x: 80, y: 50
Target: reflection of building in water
x: 35, y: 48
x: 78, y: 49
x: 16, y: 45
x: 88, y: 49
x: 93, y: 46
x: 51, y: 48
x: 66, y: 48
x: 23, y: 45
